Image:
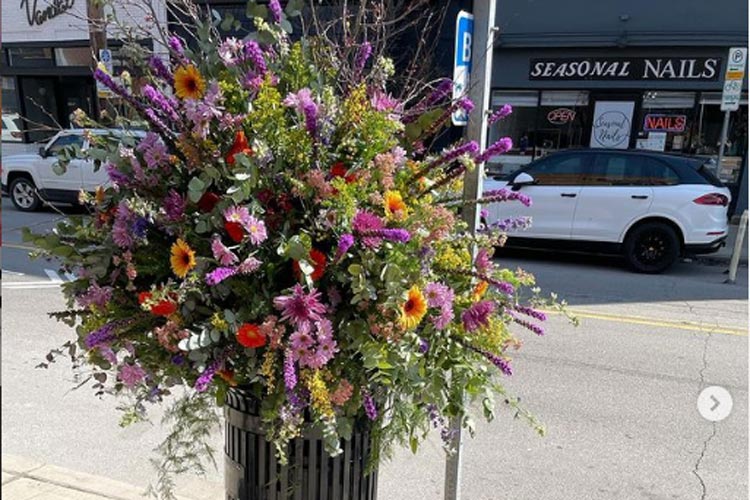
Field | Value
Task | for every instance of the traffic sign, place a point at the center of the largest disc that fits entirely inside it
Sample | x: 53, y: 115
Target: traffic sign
x: 462, y: 63
x: 105, y: 63
x: 735, y: 72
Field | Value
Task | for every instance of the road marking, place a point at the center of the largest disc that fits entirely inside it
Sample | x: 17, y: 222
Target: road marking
x: 27, y: 285
x: 19, y: 247
x: 53, y: 276
x: 640, y: 320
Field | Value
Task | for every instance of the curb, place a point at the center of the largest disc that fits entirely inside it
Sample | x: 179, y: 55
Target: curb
x: 26, y: 479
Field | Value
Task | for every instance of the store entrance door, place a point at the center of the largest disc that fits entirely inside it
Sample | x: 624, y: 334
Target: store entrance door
x: 40, y: 107
x: 75, y: 93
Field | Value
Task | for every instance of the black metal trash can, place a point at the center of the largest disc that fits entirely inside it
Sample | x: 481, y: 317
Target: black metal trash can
x: 253, y: 473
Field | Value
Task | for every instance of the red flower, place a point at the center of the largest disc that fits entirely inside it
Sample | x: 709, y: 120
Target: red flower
x: 339, y: 170
x: 319, y: 265
x: 235, y: 231
x: 143, y: 297
x: 228, y: 376
x: 166, y: 307
x: 240, y: 146
x: 208, y: 201
x: 249, y: 336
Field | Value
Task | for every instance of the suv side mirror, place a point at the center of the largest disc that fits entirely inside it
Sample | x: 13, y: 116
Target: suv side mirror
x: 42, y: 151
x: 522, y: 179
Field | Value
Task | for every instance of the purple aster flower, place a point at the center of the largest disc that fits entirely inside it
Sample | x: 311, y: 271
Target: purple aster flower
x: 249, y: 265
x: 445, y: 317
x: 160, y: 69
x: 424, y: 345
x: 325, y: 330
x: 302, y: 338
x: 229, y: 51
x: 221, y: 253
x: 103, y: 335
x: 345, y: 243
x: 502, y: 146
x: 477, y: 315
x: 369, y: 404
x: 117, y: 177
x: 365, y: 222
x: 256, y: 230
x: 275, y: 7
x: 483, y: 261
x: 501, y: 113
x: 174, y: 205
x: 385, y: 102
x: 240, y: 215
x: 438, y: 294
x: 121, y: 231
x: 300, y: 308
x: 219, y: 274
x: 131, y: 375
x: 290, y: 375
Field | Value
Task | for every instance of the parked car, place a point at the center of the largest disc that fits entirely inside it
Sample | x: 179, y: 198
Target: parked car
x: 650, y: 206
x: 30, y: 179
x: 12, y: 128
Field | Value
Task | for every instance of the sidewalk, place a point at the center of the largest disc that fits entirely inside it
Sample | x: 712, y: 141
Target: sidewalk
x: 25, y: 479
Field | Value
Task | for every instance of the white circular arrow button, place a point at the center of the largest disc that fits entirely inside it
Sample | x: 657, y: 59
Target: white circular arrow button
x: 714, y: 403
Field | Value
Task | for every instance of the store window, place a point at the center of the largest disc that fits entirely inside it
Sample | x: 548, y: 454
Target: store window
x: 562, y: 116
x: 73, y: 56
x: 519, y: 126
x: 666, y: 121
x: 708, y: 136
x: 30, y: 57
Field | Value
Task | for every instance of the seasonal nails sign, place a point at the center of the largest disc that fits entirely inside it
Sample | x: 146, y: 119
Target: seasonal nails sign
x: 611, y: 127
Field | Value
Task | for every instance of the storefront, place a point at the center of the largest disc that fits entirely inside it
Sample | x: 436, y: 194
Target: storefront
x: 46, y: 67
x: 649, y: 98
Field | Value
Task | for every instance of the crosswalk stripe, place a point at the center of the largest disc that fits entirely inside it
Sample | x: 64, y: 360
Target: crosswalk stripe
x: 53, y: 276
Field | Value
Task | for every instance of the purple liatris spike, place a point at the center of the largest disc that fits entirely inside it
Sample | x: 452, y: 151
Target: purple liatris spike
x: 345, y: 243
x: 363, y: 54
x: 207, y: 376
x: 102, y: 336
x: 528, y: 311
x: 310, y: 109
x: 219, y: 274
x: 369, y: 404
x: 160, y: 101
x: 275, y: 7
x: 502, y: 146
x: 396, y: 235
x: 175, y: 43
x: 501, y: 113
x: 538, y: 329
x: 290, y: 375
x: 253, y: 53
x: 160, y: 69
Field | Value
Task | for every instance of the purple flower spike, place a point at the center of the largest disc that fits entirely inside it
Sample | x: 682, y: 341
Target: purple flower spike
x: 275, y: 7
x: 219, y: 274
x: 502, y: 146
x: 290, y: 376
x: 160, y: 69
x: 100, y: 337
x: 175, y: 43
x: 369, y: 405
x: 365, y: 50
x: 505, y: 110
x: 345, y: 243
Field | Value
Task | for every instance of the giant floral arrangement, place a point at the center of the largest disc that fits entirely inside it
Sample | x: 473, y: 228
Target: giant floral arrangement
x: 279, y: 230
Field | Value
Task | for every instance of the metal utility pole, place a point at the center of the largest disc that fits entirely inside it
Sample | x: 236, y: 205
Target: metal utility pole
x: 97, y: 40
x: 479, y: 93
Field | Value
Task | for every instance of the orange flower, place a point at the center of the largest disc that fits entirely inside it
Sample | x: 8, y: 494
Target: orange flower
x: 183, y: 258
x: 249, y: 335
x: 414, y: 309
x: 188, y: 82
x: 228, y: 376
x: 394, y: 205
x: 240, y: 146
x: 480, y: 290
x: 318, y: 259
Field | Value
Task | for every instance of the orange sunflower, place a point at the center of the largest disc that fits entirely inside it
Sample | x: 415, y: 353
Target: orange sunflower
x: 183, y: 258
x: 414, y: 309
x: 188, y: 82
x: 394, y: 205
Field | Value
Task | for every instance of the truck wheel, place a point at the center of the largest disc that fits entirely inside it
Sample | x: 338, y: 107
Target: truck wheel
x: 651, y: 247
x: 23, y: 194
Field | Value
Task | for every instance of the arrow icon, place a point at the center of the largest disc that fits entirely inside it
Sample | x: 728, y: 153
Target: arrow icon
x: 716, y: 402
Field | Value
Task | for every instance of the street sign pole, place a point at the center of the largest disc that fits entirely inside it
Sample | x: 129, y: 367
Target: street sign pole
x: 731, y: 94
x: 479, y: 92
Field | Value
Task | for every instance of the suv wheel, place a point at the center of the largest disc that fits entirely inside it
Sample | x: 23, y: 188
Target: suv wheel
x: 651, y: 247
x: 23, y: 194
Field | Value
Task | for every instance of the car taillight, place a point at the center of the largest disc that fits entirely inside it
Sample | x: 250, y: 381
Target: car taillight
x: 712, y: 199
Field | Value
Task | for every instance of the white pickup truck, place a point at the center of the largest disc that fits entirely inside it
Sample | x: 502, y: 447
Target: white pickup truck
x: 31, y: 180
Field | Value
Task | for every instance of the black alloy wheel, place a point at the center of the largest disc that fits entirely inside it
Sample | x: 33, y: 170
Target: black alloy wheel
x: 652, y: 247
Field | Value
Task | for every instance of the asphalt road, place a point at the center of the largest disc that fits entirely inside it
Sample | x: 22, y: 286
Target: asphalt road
x: 617, y: 394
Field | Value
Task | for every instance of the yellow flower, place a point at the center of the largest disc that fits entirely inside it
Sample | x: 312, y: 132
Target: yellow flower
x: 188, y: 82
x: 414, y: 309
x: 99, y: 197
x: 480, y: 290
x: 266, y: 369
x: 321, y: 398
x: 394, y: 205
x: 218, y: 322
x: 183, y: 258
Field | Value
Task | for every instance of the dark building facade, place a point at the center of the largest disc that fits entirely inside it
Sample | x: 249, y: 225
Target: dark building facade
x: 637, y: 74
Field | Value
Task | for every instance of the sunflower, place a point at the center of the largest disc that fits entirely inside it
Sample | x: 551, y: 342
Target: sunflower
x: 183, y: 258
x: 413, y: 309
x: 188, y: 82
x: 394, y: 205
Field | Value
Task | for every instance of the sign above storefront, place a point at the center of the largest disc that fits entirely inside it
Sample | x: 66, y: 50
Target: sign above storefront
x: 39, y: 16
x: 664, y: 123
x: 626, y: 68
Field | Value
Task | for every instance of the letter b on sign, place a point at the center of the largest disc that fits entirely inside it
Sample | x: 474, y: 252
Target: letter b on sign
x: 466, y: 52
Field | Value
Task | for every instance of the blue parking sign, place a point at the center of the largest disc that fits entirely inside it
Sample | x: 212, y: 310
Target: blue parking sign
x: 462, y: 63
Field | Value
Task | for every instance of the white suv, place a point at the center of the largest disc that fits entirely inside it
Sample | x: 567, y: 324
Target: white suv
x: 31, y: 179
x: 650, y: 206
